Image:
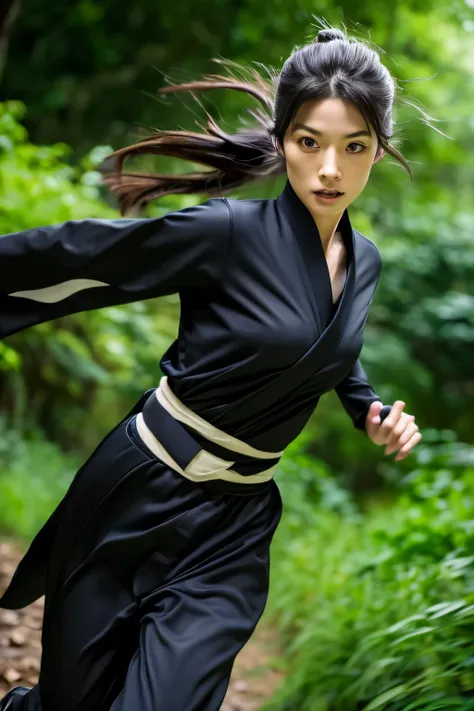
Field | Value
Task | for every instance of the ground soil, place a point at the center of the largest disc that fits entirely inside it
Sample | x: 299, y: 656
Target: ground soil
x: 255, y: 676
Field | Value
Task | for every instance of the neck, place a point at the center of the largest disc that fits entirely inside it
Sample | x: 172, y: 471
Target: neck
x: 314, y: 227
x: 327, y: 227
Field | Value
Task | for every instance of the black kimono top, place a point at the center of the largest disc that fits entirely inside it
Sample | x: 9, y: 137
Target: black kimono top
x: 259, y: 337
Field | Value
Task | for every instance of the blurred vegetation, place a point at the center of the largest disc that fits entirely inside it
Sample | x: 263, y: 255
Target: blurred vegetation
x: 96, y: 363
x: 376, y: 608
x: 372, y: 567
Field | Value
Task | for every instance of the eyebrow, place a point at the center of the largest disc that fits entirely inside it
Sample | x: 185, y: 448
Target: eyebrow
x: 320, y: 133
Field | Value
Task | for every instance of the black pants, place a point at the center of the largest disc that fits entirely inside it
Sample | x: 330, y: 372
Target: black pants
x: 159, y: 591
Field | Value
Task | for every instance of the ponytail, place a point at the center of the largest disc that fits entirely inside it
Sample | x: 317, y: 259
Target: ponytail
x: 332, y: 66
x: 235, y: 160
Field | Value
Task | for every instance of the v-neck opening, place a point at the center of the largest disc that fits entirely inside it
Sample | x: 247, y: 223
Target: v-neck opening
x: 336, y: 306
x: 313, y: 259
x: 344, y: 227
x: 338, y: 300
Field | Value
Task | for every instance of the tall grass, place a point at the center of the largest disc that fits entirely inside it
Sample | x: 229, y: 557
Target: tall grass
x: 376, y: 610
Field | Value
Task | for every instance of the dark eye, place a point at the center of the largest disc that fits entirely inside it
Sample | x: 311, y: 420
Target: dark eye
x: 361, y: 146
x: 306, y: 138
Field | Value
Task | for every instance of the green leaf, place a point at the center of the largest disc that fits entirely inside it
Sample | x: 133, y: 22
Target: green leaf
x: 416, y: 633
x: 380, y: 701
x: 445, y: 608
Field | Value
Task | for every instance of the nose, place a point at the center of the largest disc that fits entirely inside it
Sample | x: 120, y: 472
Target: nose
x: 329, y: 168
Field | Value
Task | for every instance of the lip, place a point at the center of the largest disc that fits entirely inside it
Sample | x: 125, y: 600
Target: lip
x: 328, y: 199
x: 329, y: 190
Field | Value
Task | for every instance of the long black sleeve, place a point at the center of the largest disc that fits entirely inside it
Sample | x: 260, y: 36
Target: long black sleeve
x: 356, y: 395
x: 49, y: 272
x: 355, y: 392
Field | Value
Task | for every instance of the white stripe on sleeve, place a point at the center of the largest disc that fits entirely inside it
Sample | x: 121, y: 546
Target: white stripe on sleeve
x: 59, y: 292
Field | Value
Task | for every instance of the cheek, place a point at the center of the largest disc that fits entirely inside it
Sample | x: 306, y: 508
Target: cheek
x: 360, y: 174
x: 298, y: 164
x: 364, y: 177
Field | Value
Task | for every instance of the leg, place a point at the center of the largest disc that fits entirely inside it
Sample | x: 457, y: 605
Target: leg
x: 89, y: 629
x: 192, y: 629
x: 90, y: 641
x: 152, y: 547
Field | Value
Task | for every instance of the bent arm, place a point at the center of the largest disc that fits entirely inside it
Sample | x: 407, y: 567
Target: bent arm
x: 356, y: 395
x: 355, y: 392
x: 49, y: 272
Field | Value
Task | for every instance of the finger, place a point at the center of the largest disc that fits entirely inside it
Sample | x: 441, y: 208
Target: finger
x: 373, y: 413
x: 400, y: 430
x: 405, y: 436
x: 397, y: 408
x: 406, y: 449
x: 389, y: 423
x: 375, y: 406
x: 404, y: 421
x: 403, y: 439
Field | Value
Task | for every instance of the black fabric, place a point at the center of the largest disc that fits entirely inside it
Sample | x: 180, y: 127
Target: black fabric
x: 157, y: 594
x: 133, y: 259
x: 132, y: 432
x: 183, y: 443
x: 256, y: 304
x: 219, y: 486
x: 37, y: 570
x: 171, y: 433
x: 152, y: 582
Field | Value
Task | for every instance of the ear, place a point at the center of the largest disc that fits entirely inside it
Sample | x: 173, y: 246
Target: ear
x: 277, y: 145
x: 379, y: 155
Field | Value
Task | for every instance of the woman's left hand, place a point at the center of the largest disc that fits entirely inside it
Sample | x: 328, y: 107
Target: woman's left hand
x: 398, y: 431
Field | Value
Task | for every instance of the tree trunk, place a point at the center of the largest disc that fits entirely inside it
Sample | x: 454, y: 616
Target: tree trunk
x: 9, y: 10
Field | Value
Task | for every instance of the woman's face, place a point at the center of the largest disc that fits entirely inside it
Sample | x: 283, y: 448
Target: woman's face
x: 320, y: 154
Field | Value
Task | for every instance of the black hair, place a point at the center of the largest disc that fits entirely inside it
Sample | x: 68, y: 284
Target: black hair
x: 331, y: 66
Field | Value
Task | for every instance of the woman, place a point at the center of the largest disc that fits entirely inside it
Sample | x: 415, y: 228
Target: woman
x: 155, y: 565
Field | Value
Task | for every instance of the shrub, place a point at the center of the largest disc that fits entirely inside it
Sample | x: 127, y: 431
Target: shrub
x: 376, y: 611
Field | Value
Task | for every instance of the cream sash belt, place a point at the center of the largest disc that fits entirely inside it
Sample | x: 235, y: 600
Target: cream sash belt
x: 204, y: 466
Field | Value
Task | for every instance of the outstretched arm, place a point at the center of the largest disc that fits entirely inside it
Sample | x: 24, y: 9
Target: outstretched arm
x: 49, y: 272
x: 356, y: 395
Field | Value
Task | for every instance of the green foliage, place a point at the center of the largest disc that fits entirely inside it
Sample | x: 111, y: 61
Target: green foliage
x: 419, y: 339
x: 95, y: 362
x: 422, y: 315
x: 375, y: 605
x: 40, y: 177
x: 97, y: 67
x: 34, y: 475
x: 377, y: 609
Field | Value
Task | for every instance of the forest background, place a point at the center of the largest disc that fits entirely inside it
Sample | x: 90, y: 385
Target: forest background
x: 373, y: 564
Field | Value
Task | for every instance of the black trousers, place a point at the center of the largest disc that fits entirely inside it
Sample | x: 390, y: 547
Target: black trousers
x: 159, y: 591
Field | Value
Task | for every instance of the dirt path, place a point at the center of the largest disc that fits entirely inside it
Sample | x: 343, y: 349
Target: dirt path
x: 254, y: 676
